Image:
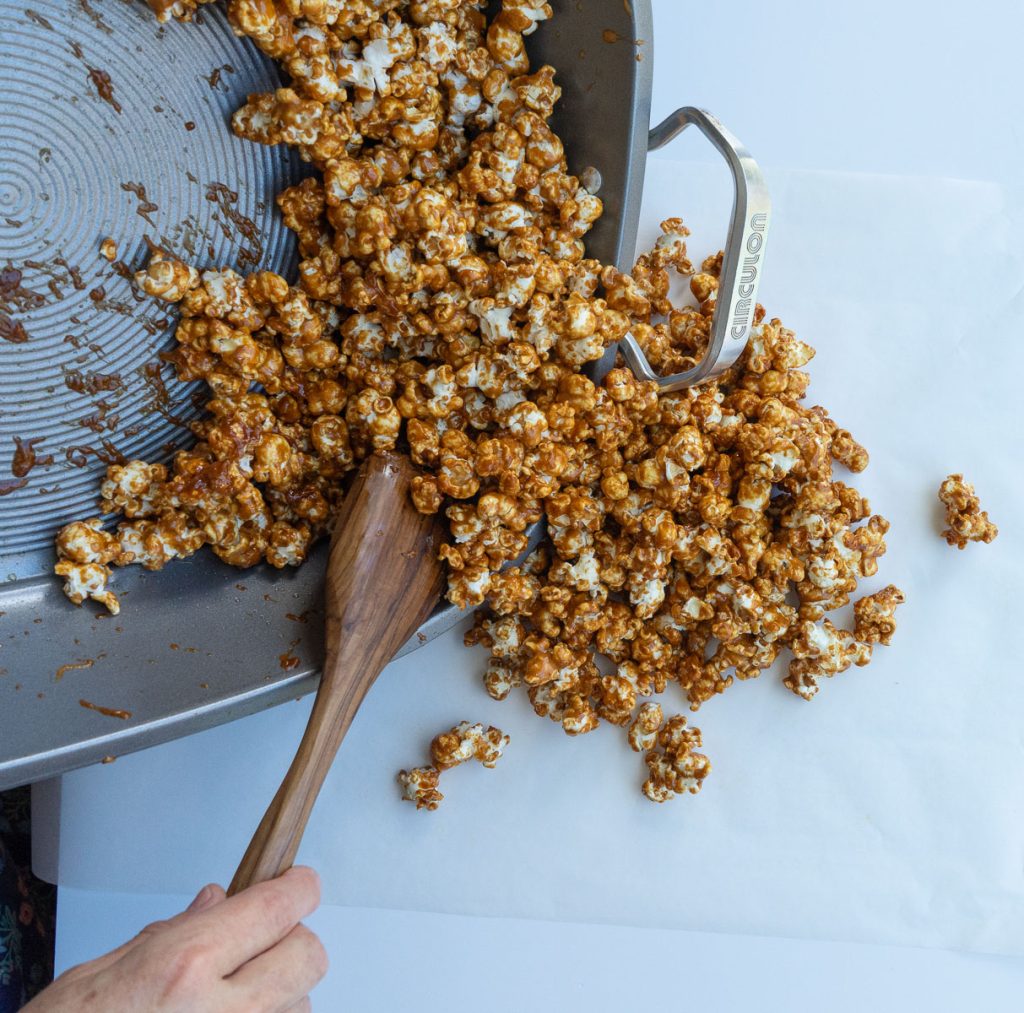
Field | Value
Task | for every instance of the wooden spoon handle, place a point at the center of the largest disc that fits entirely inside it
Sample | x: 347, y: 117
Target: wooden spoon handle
x: 383, y: 580
x: 276, y: 841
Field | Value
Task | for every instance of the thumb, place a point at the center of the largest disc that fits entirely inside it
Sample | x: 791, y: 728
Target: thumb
x: 208, y: 897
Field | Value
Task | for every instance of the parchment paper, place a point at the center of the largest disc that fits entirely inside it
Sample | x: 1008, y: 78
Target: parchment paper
x: 890, y: 809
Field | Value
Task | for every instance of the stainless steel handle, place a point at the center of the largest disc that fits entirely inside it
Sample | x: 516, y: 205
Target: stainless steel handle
x: 743, y: 261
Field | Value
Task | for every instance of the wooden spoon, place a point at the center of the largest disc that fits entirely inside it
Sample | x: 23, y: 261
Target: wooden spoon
x: 383, y: 580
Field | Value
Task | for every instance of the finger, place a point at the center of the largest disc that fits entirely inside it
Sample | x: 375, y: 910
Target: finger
x: 210, y: 896
x: 284, y: 975
x: 242, y: 927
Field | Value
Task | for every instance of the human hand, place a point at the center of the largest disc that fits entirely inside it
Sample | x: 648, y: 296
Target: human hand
x: 222, y: 954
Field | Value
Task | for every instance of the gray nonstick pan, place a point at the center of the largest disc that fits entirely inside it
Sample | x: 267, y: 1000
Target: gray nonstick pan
x: 115, y: 126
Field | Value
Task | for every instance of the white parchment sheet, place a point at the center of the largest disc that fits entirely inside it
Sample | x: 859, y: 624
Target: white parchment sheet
x: 890, y: 809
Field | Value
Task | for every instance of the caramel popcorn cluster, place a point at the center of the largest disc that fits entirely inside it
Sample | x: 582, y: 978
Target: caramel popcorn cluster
x: 694, y: 536
x: 673, y: 764
x: 442, y: 275
x: 449, y: 749
x: 445, y: 306
x: 966, y: 521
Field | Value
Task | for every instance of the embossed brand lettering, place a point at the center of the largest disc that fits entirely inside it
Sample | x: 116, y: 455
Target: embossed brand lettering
x: 748, y: 276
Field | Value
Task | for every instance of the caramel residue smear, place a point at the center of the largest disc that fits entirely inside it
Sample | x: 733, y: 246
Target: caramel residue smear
x: 74, y: 273
x: 110, y: 712
x: 190, y: 125
x: 91, y: 383
x: 101, y: 419
x: 225, y: 198
x: 38, y: 19
x: 160, y: 397
x: 146, y: 206
x: 104, y: 87
x: 12, y: 330
x: 95, y: 17
x: 26, y: 458
x: 611, y: 36
x: 288, y: 661
x: 7, y: 486
x: 213, y: 78
x: 79, y: 456
x: 14, y: 295
x: 108, y: 759
x: 301, y: 618
x: 71, y: 666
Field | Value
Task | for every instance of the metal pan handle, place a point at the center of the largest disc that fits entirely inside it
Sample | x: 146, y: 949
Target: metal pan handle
x: 743, y: 261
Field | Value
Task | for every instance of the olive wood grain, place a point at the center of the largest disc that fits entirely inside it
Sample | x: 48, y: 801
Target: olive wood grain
x: 383, y: 580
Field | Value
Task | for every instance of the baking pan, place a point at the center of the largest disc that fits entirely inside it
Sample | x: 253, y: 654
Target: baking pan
x: 115, y: 126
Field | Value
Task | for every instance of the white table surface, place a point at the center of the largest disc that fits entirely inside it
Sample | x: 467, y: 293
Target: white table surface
x: 906, y: 87
x: 514, y: 966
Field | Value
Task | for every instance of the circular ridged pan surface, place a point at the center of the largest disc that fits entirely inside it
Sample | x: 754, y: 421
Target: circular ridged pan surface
x: 112, y: 126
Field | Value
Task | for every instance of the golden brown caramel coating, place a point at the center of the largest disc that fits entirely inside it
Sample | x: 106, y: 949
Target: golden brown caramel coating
x: 967, y: 521
x: 444, y: 306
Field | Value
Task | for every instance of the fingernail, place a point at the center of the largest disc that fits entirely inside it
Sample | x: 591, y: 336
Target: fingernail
x: 202, y: 900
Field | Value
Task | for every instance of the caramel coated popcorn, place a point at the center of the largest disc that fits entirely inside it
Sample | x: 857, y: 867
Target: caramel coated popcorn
x: 468, y: 742
x: 674, y: 765
x: 462, y: 743
x: 967, y: 521
x: 419, y: 785
x: 444, y: 306
x: 166, y: 277
x: 875, y: 615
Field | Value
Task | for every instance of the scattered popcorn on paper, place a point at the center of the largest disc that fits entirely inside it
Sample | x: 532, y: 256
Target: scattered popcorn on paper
x: 462, y: 743
x: 445, y: 304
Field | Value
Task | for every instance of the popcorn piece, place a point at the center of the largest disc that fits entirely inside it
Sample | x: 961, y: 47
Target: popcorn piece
x: 166, y: 277
x: 449, y: 749
x: 674, y: 767
x: 468, y: 742
x: 181, y: 10
x: 967, y: 521
x: 87, y: 580
x: 875, y: 615
x: 419, y: 785
x: 822, y: 651
x: 108, y: 249
x: 134, y: 488
x: 643, y: 732
x: 86, y: 542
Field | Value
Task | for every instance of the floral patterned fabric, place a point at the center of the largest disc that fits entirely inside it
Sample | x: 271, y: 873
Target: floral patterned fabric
x: 27, y: 909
